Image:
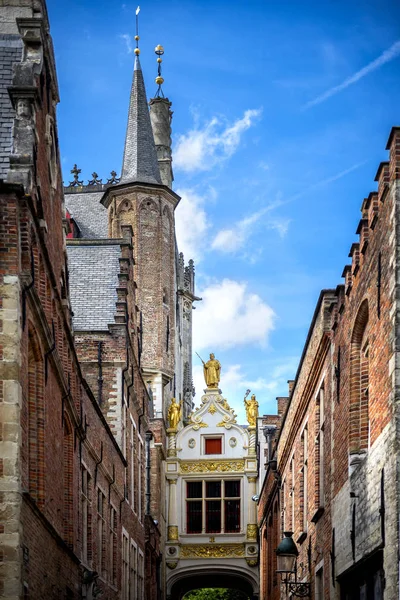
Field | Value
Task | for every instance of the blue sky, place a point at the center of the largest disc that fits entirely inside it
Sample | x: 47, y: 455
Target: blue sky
x: 281, y: 117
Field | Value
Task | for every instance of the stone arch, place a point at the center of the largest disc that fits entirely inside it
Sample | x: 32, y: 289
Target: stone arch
x: 211, y: 575
x: 35, y: 418
x: 124, y: 206
x: 359, y: 384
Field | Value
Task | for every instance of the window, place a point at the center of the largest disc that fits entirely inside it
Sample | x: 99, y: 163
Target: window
x: 319, y: 584
x: 132, y: 457
x: 319, y: 448
x: 304, y: 479
x: 213, y: 506
x: 213, y: 445
x: 101, y: 530
x: 86, y: 517
x: 125, y: 566
x: 359, y: 418
x: 140, y: 479
x: 140, y: 575
x: 113, y: 545
x: 292, y: 492
x: 133, y: 572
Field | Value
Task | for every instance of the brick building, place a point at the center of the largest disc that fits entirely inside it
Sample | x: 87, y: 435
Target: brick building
x: 95, y: 339
x: 332, y: 475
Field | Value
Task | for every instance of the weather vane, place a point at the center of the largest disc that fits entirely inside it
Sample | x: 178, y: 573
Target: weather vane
x: 137, y: 38
x: 159, y: 50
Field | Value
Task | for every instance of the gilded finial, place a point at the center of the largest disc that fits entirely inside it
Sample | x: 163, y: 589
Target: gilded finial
x: 159, y: 50
x: 137, y: 38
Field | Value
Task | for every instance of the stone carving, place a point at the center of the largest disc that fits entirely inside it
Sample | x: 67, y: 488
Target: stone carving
x: 197, y: 421
x: 214, y: 551
x: 251, y: 410
x: 23, y: 108
x: 173, y: 534
x: 252, y: 562
x: 192, y: 443
x: 232, y: 442
x: 212, y: 371
x: 252, y: 531
x: 172, y: 564
x: 215, y: 466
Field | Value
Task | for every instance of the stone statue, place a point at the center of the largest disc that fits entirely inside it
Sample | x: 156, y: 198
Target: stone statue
x: 251, y: 411
x: 212, y: 371
x: 174, y: 413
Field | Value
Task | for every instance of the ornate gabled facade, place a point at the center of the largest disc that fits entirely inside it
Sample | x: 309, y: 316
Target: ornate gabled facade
x: 212, y: 477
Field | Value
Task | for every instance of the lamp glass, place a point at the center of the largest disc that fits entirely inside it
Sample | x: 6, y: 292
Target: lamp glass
x: 286, y: 563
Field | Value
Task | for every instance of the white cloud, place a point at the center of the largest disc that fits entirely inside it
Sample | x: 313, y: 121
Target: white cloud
x: 232, y: 239
x: 230, y: 315
x: 191, y: 223
x: 202, y: 148
x: 386, y: 56
x: 128, y: 42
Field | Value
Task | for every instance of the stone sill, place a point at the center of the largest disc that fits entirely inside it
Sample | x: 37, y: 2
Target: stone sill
x: 318, y: 514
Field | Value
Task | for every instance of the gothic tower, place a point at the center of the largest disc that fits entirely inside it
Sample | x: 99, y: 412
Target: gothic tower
x: 144, y: 199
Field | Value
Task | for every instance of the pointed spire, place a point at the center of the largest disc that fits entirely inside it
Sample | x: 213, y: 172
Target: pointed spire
x: 140, y: 156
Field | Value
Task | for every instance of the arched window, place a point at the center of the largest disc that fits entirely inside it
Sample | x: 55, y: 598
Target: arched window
x: 35, y: 419
x: 68, y: 451
x: 359, y: 387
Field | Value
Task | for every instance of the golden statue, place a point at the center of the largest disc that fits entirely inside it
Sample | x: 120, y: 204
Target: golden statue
x: 174, y: 413
x: 251, y: 410
x: 212, y: 371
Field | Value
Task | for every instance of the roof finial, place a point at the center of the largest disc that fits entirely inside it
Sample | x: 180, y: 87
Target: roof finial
x: 159, y: 50
x: 137, y: 38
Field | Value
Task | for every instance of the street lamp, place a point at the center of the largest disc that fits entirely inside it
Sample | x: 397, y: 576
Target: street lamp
x: 286, y: 559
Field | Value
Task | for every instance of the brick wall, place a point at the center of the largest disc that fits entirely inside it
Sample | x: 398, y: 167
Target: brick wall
x: 337, y: 449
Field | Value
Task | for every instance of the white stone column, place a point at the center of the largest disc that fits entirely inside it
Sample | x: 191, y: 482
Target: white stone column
x: 252, y: 513
x: 172, y: 512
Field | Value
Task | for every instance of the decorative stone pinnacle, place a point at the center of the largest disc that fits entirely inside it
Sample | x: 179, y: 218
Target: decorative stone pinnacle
x: 95, y: 180
x: 75, y: 172
x: 113, y: 179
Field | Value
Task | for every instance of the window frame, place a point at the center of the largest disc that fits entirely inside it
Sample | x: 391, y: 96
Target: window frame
x: 222, y: 498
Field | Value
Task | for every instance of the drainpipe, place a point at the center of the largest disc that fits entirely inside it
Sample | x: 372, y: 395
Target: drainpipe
x: 100, y: 373
x: 149, y: 436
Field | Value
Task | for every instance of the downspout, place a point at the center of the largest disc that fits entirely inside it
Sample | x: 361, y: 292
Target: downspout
x: 100, y: 373
x: 149, y: 436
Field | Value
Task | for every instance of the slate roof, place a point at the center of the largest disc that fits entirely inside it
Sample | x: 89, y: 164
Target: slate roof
x: 90, y: 216
x: 10, y: 53
x: 93, y: 279
x: 140, y: 156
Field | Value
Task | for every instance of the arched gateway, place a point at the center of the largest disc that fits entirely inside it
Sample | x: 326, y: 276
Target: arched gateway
x: 212, y: 475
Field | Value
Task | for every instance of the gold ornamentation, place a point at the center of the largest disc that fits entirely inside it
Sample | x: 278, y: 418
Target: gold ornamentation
x: 252, y: 479
x: 174, y: 413
x: 251, y: 410
x: 212, y: 539
x: 212, y: 409
x: 173, y: 533
x: 215, y: 466
x: 172, y: 564
x: 252, y: 562
x: 171, y: 452
x: 173, y: 481
x: 206, y: 551
x: 252, y: 531
x: 212, y: 371
x: 196, y: 422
